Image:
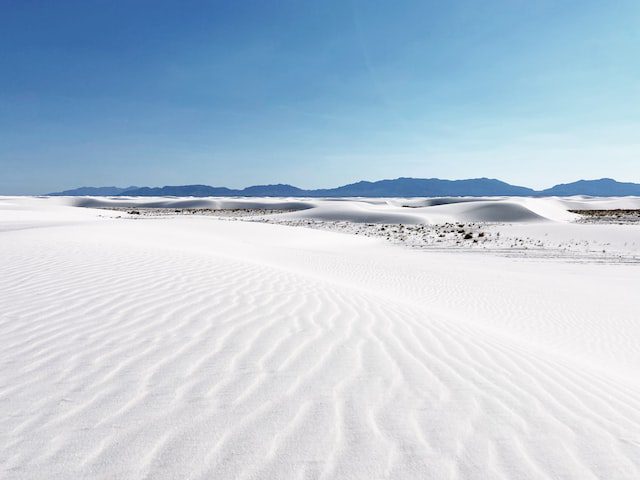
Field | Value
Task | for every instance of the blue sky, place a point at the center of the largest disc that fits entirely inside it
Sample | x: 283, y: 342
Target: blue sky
x: 316, y: 94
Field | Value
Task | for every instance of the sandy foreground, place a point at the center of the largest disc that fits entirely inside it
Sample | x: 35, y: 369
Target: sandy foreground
x: 195, y: 346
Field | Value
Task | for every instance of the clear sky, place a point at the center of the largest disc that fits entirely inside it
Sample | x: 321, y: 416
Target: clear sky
x: 316, y: 93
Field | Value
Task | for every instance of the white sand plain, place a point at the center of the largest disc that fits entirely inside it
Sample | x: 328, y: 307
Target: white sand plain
x: 176, y: 347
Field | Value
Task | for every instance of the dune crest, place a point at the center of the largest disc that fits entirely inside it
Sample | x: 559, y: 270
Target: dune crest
x: 370, y: 210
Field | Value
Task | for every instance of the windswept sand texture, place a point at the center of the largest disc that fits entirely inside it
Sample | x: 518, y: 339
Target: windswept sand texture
x: 175, y: 347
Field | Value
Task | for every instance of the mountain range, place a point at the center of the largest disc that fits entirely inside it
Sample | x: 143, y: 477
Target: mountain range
x: 399, y: 187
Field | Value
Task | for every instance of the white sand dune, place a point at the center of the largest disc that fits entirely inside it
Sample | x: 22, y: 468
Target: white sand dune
x: 370, y: 210
x: 376, y: 210
x: 595, y: 203
x: 178, y: 202
x: 201, y: 348
x: 441, y: 211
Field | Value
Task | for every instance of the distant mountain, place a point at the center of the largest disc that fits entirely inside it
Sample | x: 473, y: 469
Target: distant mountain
x: 426, y: 187
x: 605, y: 187
x: 93, y: 191
x: 279, y: 190
x: 180, y: 191
x: 399, y: 187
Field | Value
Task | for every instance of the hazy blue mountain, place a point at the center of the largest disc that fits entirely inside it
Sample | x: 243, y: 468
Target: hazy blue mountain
x: 180, y: 191
x: 93, y: 191
x: 426, y: 187
x: 279, y: 190
x: 605, y: 187
x: 399, y: 187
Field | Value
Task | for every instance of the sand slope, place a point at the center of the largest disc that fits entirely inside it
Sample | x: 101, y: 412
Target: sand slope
x: 382, y: 210
x: 199, y: 348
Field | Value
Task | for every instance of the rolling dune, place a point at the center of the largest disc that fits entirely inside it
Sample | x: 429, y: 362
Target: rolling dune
x: 201, y: 348
x: 371, y: 210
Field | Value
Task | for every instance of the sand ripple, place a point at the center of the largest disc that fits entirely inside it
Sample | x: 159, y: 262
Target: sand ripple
x: 152, y: 362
